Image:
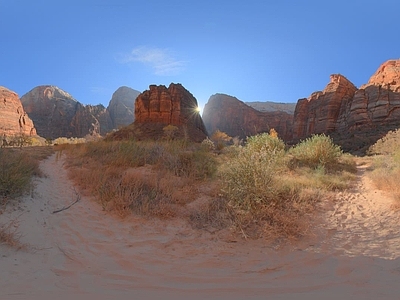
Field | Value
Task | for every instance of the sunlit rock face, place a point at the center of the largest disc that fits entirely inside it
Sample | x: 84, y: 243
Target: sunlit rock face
x: 235, y: 118
x: 319, y: 112
x: 56, y: 113
x: 13, y: 118
x: 159, y: 107
x: 355, y: 118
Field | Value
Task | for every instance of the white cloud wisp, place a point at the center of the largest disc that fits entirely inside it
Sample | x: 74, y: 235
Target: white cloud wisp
x: 161, y: 61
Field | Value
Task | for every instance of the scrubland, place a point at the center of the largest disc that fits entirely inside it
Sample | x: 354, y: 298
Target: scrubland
x: 17, y: 167
x: 259, y: 189
x: 256, y: 188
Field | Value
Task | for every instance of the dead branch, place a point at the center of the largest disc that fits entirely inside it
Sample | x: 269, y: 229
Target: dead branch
x: 78, y: 197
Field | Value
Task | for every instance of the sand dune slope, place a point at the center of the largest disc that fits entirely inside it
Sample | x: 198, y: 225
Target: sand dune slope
x: 84, y: 253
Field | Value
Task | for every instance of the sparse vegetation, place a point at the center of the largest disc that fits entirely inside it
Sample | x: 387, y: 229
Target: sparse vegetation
x: 386, y: 163
x: 9, y: 235
x: 139, y: 177
x: 271, y: 198
x: 17, y: 166
x: 261, y: 191
x: 316, y: 151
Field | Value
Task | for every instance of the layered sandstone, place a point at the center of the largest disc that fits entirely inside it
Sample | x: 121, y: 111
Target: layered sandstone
x: 234, y: 117
x: 13, y: 118
x: 159, y: 107
x: 319, y: 112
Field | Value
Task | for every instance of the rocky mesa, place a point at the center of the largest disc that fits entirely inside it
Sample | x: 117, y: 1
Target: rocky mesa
x: 13, y: 120
x: 159, y: 107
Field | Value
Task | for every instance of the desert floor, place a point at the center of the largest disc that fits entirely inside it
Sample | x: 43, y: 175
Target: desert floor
x: 85, y: 253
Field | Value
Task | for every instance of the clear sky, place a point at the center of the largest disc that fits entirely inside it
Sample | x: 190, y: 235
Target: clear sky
x: 255, y: 50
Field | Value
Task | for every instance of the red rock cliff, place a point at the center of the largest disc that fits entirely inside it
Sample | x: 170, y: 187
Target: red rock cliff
x: 234, y: 117
x: 13, y: 119
x: 319, y: 112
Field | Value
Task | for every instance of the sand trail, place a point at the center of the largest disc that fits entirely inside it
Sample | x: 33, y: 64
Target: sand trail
x: 84, y: 252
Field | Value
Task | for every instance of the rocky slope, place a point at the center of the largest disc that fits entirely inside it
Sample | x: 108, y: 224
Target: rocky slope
x: 234, y: 117
x: 269, y: 106
x: 13, y: 118
x: 56, y: 113
x: 159, y: 107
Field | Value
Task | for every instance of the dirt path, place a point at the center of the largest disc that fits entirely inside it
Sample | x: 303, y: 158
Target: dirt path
x: 362, y: 221
x: 82, y: 253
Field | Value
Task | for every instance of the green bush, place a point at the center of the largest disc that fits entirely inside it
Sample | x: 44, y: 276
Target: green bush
x: 248, y: 177
x: 265, y: 143
x: 316, y: 151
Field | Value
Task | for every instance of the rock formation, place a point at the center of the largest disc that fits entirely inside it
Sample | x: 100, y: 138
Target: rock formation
x: 269, y: 106
x: 159, y: 107
x: 355, y: 118
x: 122, y: 107
x: 13, y: 119
x: 56, y: 113
x: 234, y: 117
x: 319, y: 112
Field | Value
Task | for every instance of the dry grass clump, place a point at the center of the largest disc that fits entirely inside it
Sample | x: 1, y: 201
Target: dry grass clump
x: 386, y: 163
x: 9, y: 235
x: 147, y: 178
x: 270, y: 195
x: 387, y: 145
x: 261, y: 189
x: 17, y: 166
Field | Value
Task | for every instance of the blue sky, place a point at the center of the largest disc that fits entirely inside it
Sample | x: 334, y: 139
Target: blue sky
x: 255, y: 50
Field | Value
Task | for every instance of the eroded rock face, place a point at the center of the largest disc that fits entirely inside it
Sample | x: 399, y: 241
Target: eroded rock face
x: 56, y: 113
x: 235, y: 118
x: 355, y: 118
x: 122, y: 106
x: 319, y: 112
x: 161, y: 106
x: 13, y: 118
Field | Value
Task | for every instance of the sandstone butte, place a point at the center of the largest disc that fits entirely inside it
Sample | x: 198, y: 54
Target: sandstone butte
x: 159, y: 107
x: 14, y: 120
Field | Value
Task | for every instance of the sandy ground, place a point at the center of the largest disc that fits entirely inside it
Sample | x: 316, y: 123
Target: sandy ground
x: 84, y: 253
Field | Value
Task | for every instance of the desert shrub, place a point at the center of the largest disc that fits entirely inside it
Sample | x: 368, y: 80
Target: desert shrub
x: 269, y: 198
x: 10, y: 236
x: 318, y: 150
x: 386, y: 145
x: 220, y: 139
x: 207, y: 144
x: 170, y: 131
x: 16, y: 170
x: 265, y: 142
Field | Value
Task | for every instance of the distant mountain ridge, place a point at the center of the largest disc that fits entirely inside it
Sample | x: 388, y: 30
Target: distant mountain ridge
x: 56, y: 113
x: 270, y: 106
